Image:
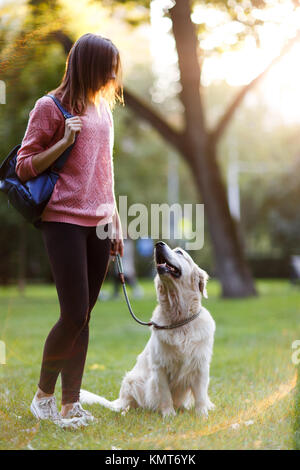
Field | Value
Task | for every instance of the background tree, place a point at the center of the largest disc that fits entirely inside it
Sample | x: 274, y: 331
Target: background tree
x: 196, y: 141
x: 198, y: 144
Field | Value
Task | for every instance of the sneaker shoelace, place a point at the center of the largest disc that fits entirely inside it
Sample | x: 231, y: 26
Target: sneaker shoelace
x: 48, y: 405
x: 78, y: 412
x: 49, y: 408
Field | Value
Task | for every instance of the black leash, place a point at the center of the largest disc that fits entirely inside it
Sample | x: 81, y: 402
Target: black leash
x: 150, y: 323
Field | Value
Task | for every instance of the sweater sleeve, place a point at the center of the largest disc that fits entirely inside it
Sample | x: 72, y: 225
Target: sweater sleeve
x: 44, y: 120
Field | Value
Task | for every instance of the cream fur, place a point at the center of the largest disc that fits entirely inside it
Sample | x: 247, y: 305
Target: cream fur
x: 173, y: 370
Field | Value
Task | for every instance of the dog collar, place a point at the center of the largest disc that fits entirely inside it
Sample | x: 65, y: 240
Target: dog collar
x: 175, y: 325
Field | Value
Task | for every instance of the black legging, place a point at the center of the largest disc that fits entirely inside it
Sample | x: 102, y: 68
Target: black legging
x: 79, y: 263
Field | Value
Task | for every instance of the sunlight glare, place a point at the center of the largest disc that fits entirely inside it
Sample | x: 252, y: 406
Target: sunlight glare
x: 280, y: 88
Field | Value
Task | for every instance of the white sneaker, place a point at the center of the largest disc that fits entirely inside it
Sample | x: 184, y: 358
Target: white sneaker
x: 78, y: 412
x: 45, y: 408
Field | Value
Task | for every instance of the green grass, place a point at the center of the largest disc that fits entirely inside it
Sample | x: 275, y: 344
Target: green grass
x: 250, y: 369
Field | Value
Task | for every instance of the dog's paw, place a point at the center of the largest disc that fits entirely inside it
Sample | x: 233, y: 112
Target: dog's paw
x: 210, y: 405
x: 202, y: 411
x: 168, y: 412
x: 203, y: 408
x: 124, y: 411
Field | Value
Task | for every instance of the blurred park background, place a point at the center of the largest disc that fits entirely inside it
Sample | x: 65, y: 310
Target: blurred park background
x: 211, y: 116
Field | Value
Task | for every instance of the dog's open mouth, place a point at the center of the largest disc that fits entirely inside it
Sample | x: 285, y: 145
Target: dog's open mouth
x: 164, y: 266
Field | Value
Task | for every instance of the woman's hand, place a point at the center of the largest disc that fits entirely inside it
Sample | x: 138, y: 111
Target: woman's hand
x: 72, y: 126
x: 117, y: 236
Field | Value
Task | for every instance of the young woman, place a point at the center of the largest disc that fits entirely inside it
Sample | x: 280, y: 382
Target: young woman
x: 83, y: 198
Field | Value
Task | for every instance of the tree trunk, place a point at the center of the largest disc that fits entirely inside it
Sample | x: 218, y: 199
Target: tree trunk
x: 199, y: 150
x: 200, y: 153
x: 232, y: 269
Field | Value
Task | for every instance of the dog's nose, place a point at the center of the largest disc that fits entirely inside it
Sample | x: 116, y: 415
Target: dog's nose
x: 159, y: 244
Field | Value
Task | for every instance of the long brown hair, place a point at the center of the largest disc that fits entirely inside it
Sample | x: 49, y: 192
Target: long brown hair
x: 93, y: 69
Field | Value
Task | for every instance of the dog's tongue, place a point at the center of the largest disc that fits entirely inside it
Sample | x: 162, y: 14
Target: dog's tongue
x: 165, y: 265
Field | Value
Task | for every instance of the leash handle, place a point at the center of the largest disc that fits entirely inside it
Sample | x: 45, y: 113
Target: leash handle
x: 120, y: 269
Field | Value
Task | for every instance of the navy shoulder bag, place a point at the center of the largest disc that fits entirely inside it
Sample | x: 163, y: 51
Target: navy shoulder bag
x: 30, y: 198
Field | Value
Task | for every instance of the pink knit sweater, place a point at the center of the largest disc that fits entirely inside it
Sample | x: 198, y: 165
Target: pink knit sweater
x: 84, y: 192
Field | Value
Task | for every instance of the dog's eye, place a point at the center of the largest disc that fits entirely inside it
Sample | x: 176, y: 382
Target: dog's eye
x: 179, y: 252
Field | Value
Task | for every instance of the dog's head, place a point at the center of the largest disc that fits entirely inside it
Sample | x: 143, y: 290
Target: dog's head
x: 177, y: 271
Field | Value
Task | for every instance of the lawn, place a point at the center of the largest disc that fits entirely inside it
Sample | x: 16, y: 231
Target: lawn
x: 253, y: 379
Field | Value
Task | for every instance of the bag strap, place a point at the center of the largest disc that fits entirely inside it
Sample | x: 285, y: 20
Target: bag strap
x: 64, y: 112
x: 59, y: 163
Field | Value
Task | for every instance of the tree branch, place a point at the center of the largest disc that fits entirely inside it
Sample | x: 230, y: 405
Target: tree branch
x: 145, y: 112
x: 63, y: 39
x: 225, y: 119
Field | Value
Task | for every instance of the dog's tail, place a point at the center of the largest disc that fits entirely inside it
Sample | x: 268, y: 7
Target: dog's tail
x: 91, y: 398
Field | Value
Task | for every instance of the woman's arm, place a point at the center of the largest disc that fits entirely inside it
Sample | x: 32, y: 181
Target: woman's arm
x: 36, y: 152
x: 117, y: 235
x: 43, y: 160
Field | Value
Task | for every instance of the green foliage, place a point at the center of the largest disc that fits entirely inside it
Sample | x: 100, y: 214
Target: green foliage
x: 282, y: 202
x: 238, y: 11
x: 33, y: 64
x: 267, y: 152
x: 133, y: 13
x: 140, y: 155
x: 30, y: 73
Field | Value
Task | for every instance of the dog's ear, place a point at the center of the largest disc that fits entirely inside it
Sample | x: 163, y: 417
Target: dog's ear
x: 203, y: 278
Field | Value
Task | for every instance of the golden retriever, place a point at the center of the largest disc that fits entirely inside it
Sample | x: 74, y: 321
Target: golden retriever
x: 173, y: 370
